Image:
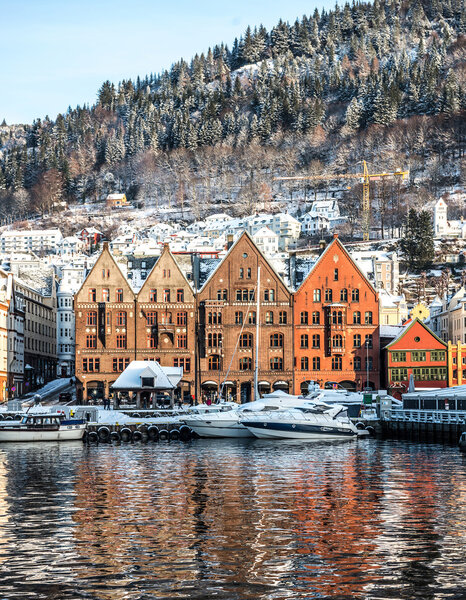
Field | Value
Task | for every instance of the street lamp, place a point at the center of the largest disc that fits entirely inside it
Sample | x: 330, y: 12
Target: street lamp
x: 367, y: 363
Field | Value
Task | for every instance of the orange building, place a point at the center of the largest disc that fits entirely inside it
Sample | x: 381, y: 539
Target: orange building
x: 336, y: 325
x: 419, y: 352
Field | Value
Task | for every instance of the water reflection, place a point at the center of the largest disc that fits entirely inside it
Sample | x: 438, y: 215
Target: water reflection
x: 232, y: 519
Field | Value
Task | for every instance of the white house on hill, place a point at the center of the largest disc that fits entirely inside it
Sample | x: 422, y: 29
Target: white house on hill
x: 445, y: 228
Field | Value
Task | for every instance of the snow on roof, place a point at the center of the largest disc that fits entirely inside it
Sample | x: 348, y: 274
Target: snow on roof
x: 115, y: 196
x: 390, y: 331
x: 165, y: 378
x: 264, y: 231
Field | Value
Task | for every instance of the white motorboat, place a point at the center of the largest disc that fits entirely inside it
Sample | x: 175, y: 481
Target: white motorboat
x: 43, y: 427
x: 226, y: 423
x: 310, y: 421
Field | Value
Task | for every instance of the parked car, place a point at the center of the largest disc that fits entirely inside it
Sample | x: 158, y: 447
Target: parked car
x: 65, y: 397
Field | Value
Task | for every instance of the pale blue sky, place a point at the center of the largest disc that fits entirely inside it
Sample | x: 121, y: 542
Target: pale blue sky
x: 57, y: 53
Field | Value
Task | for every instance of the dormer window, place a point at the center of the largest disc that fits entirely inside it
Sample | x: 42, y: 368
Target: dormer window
x: 147, y: 382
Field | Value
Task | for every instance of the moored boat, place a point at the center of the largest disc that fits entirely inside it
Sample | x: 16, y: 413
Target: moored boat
x: 43, y: 427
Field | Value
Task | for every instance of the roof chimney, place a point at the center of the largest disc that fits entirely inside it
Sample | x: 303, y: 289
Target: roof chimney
x: 335, y: 236
x: 105, y: 246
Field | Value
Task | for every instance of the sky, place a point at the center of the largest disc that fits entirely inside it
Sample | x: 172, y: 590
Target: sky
x: 57, y: 53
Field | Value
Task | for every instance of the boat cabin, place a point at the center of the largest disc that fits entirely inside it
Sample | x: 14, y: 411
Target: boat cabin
x: 41, y: 421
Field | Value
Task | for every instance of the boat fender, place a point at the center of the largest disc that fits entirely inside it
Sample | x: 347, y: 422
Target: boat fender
x: 104, y: 434
x: 360, y: 425
x: 174, y: 435
x: 153, y: 433
x: 115, y: 436
x: 185, y: 433
x: 85, y: 437
x: 371, y: 430
x: 136, y: 416
x: 93, y: 437
x: 163, y: 434
x: 17, y: 417
x: 137, y: 436
x: 9, y: 418
x: 125, y: 434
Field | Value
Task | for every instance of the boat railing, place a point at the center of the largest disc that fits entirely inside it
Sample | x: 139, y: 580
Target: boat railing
x: 428, y: 416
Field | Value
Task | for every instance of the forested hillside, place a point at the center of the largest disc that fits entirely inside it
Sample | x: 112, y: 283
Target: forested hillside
x: 381, y: 81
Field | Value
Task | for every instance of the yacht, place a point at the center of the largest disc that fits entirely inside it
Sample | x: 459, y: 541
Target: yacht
x: 309, y: 421
x: 226, y: 423
x: 43, y: 427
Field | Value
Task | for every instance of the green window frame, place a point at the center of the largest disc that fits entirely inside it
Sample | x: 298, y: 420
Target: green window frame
x: 399, y: 374
x: 418, y: 355
x: 437, y: 355
x: 398, y: 357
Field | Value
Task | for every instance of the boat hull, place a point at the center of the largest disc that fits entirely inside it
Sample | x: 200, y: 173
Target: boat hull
x: 295, y: 431
x: 73, y: 432
x: 227, y: 429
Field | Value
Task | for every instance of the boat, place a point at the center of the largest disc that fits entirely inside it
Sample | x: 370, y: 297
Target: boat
x: 227, y: 423
x: 310, y: 421
x: 43, y: 427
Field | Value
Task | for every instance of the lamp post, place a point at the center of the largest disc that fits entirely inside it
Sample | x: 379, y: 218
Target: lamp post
x: 367, y: 364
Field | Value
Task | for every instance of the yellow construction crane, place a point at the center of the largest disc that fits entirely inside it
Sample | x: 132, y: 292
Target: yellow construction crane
x: 365, y: 177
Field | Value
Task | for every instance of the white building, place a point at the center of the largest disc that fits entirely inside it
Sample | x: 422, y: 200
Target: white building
x: 11, y: 339
x: 266, y: 240
x: 445, y: 228
x: 71, y: 245
x: 41, y: 241
x: 381, y: 268
x: 323, y: 216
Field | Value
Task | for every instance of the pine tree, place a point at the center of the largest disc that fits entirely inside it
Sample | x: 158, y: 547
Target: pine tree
x: 417, y: 243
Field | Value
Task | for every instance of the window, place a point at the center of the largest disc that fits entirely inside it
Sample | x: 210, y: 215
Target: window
x: 418, y: 356
x: 245, y: 363
x: 91, y: 318
x: 282, y: 317
x: 222, y: 295
x: 151, y: 318
x: 337, y: 317
x: 357, y: 340
x: 166, y: 295
x: 183, y: 362
x: 276, y: 363
x: 105, y: 295
x: 245, y: 340
x: 166, y: 318
x: 121, y: 340
x: 400, y: 356
x: 316, y: 363
x: 304, y: 340
x: 119, y: 364
x: 244, y: 295
x: 153, y: 295
x: 328, y: 295
x: 214, y: 340
x: 336, y: 363
x: 119, y: 295
x: 399, y: 374
x: 368, y: 363
x: 356, y: 317
x: 166, y: 273
x: 357, y: 363
x: 430, y: 374
x: 335, y: 274
x: 316, y: 317
x: 355, y: 295
x: 241, y: 273
x: 269, y: 295
x: 214, y: 362
x: 316, y: 340
x: 368, y: 341
x: 252, y: 317
x: 91, y: 365
x: 239, y: 317
x: 121, y: 319
x: 368, y: 317
x: 249, y: 273
x: 269, y: 317
x: 91, y: 341
x: 304, y: 318
x: 276, y: 340
x: 437, y: 355
x: 337, y: 341
x: 316, y: 295
x: 304, y: 363
x: 181, y: 318
x: 181, y: 340
x: 180, y: 295
x: 109, y: 319
x: 151, y: 341
x: 344, y: 295
x: 92, y: 295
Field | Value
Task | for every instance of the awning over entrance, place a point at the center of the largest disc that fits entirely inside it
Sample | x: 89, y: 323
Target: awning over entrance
x: 209, y: 383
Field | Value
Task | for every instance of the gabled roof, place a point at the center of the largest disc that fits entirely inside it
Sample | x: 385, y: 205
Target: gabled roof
x: 166, y: 250
x: 261, y: 254
x: 165, y: 378
x: 333, y: 243
x: 411, y: 324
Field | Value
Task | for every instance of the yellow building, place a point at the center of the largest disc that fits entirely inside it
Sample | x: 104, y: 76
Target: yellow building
x: 456, y: 357
x: 117, y: 201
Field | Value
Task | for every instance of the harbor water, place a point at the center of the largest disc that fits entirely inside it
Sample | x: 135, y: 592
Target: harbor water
x: 232, y: 519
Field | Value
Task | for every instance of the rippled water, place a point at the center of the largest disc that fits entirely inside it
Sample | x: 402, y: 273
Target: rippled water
x: 244, y: 519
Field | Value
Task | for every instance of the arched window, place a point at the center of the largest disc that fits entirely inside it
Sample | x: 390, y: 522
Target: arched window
x: 344, y: 295
x: 214, y: 362
x: 357, y: 363
x: 269, y: 317
x: 316, y: 295
x: 304, y: 363
x: 337, y: 341
x: 304, y: 317
x: 328, y: 295
x: 276, y: 340
x: 316, y: 317
x: 245, y: 340
x: 304, y: 341
x: 316, y: 340
x: 368, y: 317
x: 245, y: 363
x: 356, y: 317
x: 276, y: 363
x: 316, y: 363
x: 336, y: 363
x: 335, y: 274
x: 355, y: 295
x: 357, y: 340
